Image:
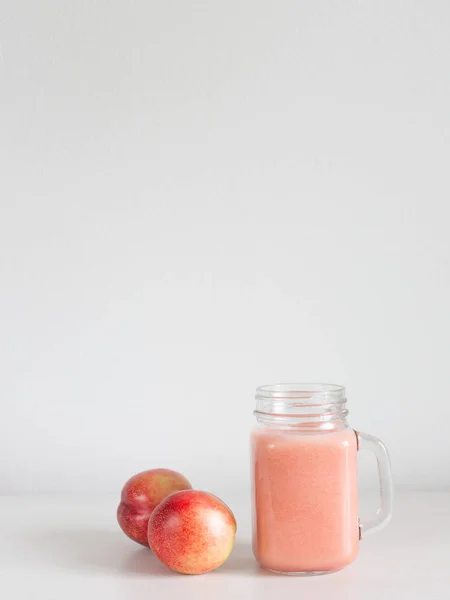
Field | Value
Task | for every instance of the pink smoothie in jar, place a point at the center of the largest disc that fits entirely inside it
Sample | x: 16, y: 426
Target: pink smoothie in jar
x: 305, y: 499
x: 305, y: 483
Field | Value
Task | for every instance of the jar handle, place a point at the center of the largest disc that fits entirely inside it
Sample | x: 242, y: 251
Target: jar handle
x: 365, y: 441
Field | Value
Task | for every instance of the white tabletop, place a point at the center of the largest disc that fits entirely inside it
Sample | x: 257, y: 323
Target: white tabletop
x: 71, y: 548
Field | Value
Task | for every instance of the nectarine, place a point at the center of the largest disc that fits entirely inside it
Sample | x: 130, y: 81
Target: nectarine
x: 192, y: 532
x: 141, y: 494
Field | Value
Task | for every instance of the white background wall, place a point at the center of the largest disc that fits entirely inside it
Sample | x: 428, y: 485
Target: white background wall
x: 198, y: 197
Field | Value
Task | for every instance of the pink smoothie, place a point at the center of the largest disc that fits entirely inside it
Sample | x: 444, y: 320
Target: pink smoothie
x: 306, y: 500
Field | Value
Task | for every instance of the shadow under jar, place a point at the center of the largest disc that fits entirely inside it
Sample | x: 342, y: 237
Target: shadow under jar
x: 305, y: 482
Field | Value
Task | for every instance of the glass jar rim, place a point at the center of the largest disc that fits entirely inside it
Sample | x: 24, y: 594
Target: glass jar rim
x: 308, y: 393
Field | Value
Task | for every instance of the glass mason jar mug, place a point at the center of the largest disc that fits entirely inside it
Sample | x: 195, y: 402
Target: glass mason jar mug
x: 305, y: 484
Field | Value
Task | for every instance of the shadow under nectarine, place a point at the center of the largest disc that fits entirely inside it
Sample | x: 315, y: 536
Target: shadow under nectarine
x: 111, y: 551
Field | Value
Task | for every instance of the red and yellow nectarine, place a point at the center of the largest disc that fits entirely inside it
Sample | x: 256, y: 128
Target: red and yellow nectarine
x: 140, y: 496
x: 192, y: 532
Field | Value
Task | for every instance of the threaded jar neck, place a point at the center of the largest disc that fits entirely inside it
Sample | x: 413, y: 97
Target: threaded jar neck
x: 319, y: 406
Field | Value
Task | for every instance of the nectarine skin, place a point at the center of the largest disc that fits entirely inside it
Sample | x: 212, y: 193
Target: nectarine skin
x: 141, y: 495
x: 192, y: 532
